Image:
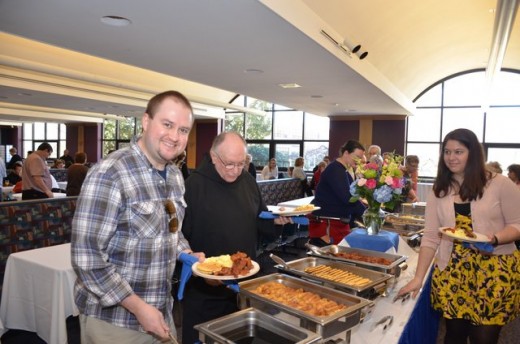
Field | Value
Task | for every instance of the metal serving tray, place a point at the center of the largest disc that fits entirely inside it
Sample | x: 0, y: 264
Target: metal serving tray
x: 324, y: 326
x: 251, y: 323
x: 377, y: 286
x: 398, y: 261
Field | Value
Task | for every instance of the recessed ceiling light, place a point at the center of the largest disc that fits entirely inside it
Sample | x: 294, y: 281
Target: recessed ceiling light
x: 24, y: 94
x: 316, y: 96
x: 291, y: 85
x: 115, y: 21
x: 253, y: 71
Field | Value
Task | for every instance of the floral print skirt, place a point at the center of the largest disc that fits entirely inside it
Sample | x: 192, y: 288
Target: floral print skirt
x: 484, y: 289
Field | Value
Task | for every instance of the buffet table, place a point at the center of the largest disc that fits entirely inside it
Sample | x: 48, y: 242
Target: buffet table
x: 38, y: 293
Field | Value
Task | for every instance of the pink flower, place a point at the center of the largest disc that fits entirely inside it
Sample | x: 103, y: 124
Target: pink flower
x: 371, y: 184
x: 361, y: 182
x: 397, y: 183
x: 389, y: 180
x: 372, y: 166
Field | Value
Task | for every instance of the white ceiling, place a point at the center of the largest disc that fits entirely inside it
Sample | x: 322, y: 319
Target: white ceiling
x: 204, y: 47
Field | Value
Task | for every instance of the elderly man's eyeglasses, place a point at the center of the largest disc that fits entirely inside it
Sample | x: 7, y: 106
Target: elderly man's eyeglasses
x: 230, y: 166
x: 169, y: 206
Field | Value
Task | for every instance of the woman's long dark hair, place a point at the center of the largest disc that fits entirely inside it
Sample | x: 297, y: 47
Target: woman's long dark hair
x: 475, y: 173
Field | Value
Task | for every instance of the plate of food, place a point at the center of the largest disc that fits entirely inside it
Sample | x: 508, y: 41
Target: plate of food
x: 226, y: 267
x: 464, y: 235
x: 293, y: 211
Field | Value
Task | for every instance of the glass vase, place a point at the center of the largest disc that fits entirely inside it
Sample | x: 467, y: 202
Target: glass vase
x: 373, y: 219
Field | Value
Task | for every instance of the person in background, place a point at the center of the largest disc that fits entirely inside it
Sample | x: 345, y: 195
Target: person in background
x: 494, y: 166
x: 317, y: 175
x: 126, y: 234
x: 223, y: 205
x: 270, y: 171
x: 513, y: 172
x: 66, y: 158
x: 14, y: 158
x: 76, y: 174
x: 250, y: 165
x: 59, y: 164
x: 326, y: 159
x: 374, y: 155
x: 15, y: 175
x: 477, y: 291
x: 300, y: 174
x: 36, y: 178
x: 411, y: 173
x: 290, y: 171
x: 3, y: 172
x: 330, y: 224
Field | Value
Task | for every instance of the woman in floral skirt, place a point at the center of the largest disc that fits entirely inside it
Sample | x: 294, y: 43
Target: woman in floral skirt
x: 476, y: 286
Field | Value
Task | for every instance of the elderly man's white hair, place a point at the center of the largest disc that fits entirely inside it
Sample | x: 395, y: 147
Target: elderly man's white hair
x: 376, y: 147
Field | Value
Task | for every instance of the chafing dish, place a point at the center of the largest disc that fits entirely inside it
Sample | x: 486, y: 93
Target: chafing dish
x: 376, y: 286
x: 398, y: 262
x: 324, y: 326
x: 248, y: 324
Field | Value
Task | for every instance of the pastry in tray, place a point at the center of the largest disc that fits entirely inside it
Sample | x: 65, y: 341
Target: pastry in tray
x: 338, y: 275
x: 299, y: 299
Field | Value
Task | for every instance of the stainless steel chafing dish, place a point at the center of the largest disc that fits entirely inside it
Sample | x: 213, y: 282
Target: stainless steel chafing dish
x: 252, y: 324
x: 376, y: 286
x: 324, y: 326
x: 398, y: 261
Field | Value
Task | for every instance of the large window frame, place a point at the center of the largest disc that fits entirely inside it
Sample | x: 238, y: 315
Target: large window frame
x: 36, y: 133
x: 267, y: 136
x: 433, y: 100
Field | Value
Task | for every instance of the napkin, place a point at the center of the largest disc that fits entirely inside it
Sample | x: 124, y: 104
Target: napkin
x: 300, y: 220
x: 481, y: 246
x: 187, y: 262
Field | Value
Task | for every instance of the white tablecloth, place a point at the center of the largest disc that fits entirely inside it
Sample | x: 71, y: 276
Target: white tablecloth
x: 62, y: 185
x: 18, y: 196
x: 37, y: 293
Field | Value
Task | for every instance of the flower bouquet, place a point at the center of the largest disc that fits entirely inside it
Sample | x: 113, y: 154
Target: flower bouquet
x: 378, y: 184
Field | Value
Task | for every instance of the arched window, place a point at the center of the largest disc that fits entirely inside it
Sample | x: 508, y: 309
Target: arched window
x: 463, y: 101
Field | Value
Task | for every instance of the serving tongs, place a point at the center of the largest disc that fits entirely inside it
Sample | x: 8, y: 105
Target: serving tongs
x: 279, y: 261
x: 321, y: 251
x: 386, y: 321
x: 403, y: 297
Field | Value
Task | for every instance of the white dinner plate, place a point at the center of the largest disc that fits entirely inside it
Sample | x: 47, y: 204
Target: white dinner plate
x: 289, y: 211
x: 253, y: 271
x: 480, y: 237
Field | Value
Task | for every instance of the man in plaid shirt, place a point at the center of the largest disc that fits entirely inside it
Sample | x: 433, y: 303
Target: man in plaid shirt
x: 125, y: 232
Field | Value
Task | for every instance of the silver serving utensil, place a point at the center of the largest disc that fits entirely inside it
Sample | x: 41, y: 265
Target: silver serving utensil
x: 279, y: 260
x: 333, y: 249
x: 315, y: 249
x: 387, y: 320
x: 403, y: 297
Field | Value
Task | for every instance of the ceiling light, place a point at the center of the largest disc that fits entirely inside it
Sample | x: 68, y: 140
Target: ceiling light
x: 253, y: 71
x: 290, y: 85
x: 316, y: 96
x: 115, y: 21
x: 24, y: 94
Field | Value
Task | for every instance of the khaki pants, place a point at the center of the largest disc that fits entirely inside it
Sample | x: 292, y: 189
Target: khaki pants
x: 95, y: 331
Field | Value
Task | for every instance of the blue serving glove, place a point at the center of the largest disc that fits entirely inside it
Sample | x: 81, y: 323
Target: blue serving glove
x: 481, y: 246
x: 233, y: 285
x: 300, y: 220
x: 187, y: 262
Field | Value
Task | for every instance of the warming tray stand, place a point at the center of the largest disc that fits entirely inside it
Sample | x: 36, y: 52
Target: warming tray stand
x: 379, y: 281
x: 325, y: 326
x: 398, y: 261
